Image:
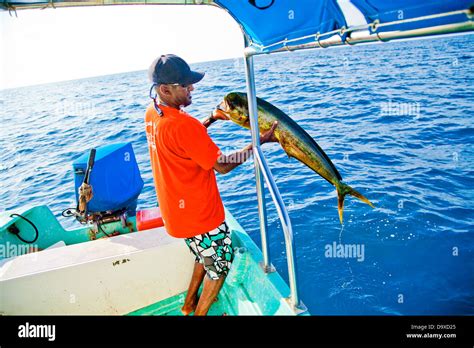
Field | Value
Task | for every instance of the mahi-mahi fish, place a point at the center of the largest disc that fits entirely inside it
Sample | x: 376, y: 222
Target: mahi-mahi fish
x: 292, y: 138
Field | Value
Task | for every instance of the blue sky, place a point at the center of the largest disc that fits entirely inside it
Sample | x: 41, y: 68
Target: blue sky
x: 50, y: 45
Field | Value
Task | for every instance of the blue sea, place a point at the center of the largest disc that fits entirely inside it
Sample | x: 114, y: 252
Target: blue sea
x: 395, y: 118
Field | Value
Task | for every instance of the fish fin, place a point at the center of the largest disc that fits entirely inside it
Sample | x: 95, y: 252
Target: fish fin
x: 292, y: 151
x: 356, y: 194
x: 342, y: 191
x: 288, y: 150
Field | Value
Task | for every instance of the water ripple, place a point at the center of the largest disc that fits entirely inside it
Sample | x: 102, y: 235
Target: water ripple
x: 396, y: 120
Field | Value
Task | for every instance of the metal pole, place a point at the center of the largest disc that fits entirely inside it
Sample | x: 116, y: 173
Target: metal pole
x: 262, y: 212
x: 261, y: 168
x: 295, y: 303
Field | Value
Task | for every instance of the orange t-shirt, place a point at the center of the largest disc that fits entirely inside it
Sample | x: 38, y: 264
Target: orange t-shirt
x: 182, y: 158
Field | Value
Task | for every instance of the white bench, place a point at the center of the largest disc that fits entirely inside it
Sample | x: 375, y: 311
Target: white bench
x: 108, y: 276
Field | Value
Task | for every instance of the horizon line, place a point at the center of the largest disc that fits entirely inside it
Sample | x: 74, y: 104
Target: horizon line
x: 94, y: 76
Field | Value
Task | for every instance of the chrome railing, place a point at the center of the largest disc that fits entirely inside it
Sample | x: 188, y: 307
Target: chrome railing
x: 262, y: 213
x: 262, y: 169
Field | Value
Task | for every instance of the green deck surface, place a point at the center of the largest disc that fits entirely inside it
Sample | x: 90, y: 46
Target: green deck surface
x: 232, y: 298
x: 172, y: 306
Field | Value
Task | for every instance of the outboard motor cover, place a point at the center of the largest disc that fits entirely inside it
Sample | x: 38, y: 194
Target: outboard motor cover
x: 115, y: 178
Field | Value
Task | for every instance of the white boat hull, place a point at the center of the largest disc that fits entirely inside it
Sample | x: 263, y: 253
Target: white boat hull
x: 112, y: 276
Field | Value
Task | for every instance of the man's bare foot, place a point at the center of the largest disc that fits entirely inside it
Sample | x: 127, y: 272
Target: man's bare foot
x: 189, y: 307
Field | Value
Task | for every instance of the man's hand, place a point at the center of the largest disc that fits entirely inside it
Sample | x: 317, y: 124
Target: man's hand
x: 219, y: 115
x: 215, y: 115
x: 269, y: 137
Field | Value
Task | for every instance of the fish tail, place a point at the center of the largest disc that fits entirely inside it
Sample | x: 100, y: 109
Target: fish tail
x: 342, y: 191
x: 340, y: 205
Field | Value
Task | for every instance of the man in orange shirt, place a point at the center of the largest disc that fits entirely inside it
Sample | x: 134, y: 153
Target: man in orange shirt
x: 183, y: 159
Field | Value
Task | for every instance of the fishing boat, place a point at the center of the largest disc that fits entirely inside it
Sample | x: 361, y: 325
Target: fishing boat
x: 122, y: 261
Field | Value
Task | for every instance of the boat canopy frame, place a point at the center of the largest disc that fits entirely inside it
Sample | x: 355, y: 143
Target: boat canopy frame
x: 369, y: 33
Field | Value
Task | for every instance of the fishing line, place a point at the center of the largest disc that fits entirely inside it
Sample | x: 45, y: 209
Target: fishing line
x: 345, y: 284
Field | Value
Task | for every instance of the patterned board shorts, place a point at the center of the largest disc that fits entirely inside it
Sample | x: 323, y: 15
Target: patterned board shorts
x: 214, y: 250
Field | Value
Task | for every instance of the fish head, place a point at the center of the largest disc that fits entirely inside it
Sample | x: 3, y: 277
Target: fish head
x: 235, y: 107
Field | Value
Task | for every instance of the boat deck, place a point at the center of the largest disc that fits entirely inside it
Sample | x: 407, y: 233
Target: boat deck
x: 233, y: 299
x: 172, y: 306
x: 139, y: 273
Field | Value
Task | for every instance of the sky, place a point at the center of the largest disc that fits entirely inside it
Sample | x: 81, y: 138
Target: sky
x: 42, y: 46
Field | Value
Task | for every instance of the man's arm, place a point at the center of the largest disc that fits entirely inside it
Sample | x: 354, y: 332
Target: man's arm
x: 208, y: 121
x: 225, y: 164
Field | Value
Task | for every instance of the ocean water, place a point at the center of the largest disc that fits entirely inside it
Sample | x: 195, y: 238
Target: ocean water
x: 396, y: 119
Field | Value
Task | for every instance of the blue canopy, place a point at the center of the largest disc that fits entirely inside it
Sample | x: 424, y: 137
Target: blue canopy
x: 273, y: 25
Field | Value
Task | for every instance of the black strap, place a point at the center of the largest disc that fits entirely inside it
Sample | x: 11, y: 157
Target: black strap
x: 16, y: 231
x: 253, y: 3
x: 153, y: 97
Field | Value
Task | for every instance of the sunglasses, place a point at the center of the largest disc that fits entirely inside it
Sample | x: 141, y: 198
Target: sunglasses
x: 180, y: 84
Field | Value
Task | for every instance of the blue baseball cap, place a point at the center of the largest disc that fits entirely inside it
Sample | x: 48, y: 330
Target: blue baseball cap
x: 170, y: 69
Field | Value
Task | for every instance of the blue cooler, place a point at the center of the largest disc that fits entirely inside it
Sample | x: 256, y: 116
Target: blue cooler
x: 115, y: 178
